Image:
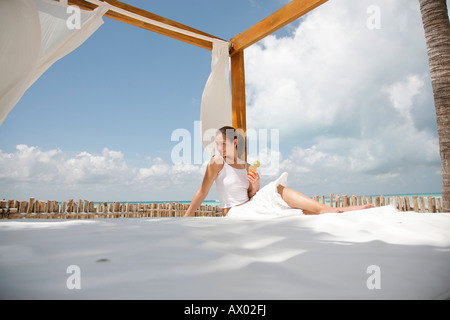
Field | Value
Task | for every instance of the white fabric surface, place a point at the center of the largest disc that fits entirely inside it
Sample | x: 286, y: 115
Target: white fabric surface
x: 33, y: 36
x: 293, y: 257
x: 215, y: 109
x: 266, y: 203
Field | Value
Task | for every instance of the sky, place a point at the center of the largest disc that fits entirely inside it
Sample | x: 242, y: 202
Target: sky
x: 343, y: 96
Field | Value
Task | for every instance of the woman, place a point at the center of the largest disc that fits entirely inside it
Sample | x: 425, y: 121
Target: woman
x: 240, y: 194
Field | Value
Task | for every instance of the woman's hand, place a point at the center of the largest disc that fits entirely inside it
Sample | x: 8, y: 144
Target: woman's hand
x: 254, y: 184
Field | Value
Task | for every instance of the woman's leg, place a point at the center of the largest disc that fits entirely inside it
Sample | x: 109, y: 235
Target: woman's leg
x: 309, y: 206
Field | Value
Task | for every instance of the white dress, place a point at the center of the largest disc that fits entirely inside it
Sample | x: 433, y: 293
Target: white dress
x: 266, y: 203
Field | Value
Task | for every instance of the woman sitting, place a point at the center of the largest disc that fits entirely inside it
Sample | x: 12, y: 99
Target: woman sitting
x: 240, y: 194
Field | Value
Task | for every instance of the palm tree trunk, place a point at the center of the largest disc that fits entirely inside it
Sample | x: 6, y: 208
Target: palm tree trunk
x: 437, y: 33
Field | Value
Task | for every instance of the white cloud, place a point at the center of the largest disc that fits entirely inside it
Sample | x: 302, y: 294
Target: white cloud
x: 331, y: 66
x: 354, y: 104
x: 161, y: 175
x: 402, y: 94
x: 109, y: 167
x: 159, y: 168
x: 30, y: 171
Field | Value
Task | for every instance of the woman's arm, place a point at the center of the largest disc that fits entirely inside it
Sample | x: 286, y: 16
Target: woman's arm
x: 254, y: 185
x: 212, y: 170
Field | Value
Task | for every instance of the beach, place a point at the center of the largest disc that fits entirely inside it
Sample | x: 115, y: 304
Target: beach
x: 378, y: 253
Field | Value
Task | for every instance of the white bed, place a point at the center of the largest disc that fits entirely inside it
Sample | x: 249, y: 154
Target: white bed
x: 373, y: 254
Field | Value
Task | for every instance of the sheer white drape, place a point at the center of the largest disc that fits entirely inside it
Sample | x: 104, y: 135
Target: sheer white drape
x: 216, y: 99
x: 34, y: 34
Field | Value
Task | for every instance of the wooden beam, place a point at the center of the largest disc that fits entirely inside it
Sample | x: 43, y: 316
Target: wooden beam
x: 82, y: 4
x: 290, y: 12
x: 238, y: 94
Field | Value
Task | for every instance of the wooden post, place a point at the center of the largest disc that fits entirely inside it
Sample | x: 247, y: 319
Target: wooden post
x: 331, y: 199
x: 398, y: 203
x: 171, y: 209
x: 407, y: 205
x: 431, y: 204
x: 11, y: 204
x: 152, y: 209
x: 422, y: 205
x: 158, y: 209
x: 238, y: 95
x: 438, y: 205
x: 415, y: 204
x: 41, y: 206
x: 402, y: 203
x: 30, y: 205
x: 23, y: 207
x: 344, y: 201
x: 354, y: 201
x: 177, y: 210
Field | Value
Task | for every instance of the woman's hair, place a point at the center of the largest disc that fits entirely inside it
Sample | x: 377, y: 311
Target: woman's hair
x: 231, y: 134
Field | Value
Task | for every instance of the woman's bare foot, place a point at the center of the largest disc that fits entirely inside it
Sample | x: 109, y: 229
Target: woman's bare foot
x: 333, y: 210
x: 354, y: 208
x: 345, y: 209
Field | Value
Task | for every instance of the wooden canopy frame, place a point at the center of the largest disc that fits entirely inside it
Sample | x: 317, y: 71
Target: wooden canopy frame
x: 287, y: 14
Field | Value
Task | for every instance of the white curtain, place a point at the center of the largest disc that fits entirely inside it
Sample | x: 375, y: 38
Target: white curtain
x: 34, y: 34
x: 216, y: 99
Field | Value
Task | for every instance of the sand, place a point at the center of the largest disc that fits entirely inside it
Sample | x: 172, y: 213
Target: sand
x: 372, y: 254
